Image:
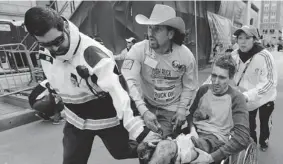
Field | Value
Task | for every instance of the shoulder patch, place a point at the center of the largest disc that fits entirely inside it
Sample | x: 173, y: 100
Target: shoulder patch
x: 93, y: 55
x: 46, y: 58
x: 128, y: 64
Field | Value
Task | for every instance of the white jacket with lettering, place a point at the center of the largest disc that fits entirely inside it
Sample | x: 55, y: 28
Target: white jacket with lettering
x: 98, y: 101
x: 260, y: 79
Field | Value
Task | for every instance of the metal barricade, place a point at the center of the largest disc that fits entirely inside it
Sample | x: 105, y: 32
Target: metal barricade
x: 17, y: 69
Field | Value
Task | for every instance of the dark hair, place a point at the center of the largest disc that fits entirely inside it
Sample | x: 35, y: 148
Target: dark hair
x: 39, y: 20
x: 178, y: 37
x: 228, y: 63
x: 134, y: 41
x: 229, y: 50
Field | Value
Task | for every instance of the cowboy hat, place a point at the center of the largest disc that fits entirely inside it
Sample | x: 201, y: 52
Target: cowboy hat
x: 162, y: 15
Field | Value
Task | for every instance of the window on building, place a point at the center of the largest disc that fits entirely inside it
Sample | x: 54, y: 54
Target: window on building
x: 252, y: 21
x: 272, y: 31
x: 264, y: 31
x: 273, y: 8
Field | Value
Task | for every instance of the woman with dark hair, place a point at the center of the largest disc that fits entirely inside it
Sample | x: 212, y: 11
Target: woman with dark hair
x: 256, y: 78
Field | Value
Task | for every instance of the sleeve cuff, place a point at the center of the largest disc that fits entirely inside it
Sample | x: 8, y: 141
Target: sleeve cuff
x: 182, y: 105
x: 143, y: 134
x: 142, y: 109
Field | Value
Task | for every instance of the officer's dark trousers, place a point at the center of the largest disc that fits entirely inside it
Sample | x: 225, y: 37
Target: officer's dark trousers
x: 77, y: 143
x: 265, y: 112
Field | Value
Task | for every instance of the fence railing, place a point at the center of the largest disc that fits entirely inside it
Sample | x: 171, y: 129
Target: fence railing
x: 19, y: 69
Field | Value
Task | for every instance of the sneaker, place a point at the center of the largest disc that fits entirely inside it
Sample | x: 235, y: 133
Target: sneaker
x: 57, y: 120
x: 264, y: 147
x: 42, y: 116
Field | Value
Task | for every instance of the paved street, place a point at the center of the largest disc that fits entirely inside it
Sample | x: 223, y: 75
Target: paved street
x: 274, y: 154
x: 41, y: 142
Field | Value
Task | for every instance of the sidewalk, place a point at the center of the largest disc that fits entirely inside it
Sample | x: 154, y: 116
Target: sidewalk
x: 14, y: 112
x: 16, y: 115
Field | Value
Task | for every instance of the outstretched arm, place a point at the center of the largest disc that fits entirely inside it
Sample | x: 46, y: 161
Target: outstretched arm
x: 101, y: 65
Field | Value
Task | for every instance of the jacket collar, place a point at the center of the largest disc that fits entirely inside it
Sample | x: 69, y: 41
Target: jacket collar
x: 74, y: 41
x: 244, y: 56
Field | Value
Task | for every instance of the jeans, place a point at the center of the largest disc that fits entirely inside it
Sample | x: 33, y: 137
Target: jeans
x: 164, y: 117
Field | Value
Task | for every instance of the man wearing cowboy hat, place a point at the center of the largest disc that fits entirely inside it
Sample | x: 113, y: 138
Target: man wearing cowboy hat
x: 161, y: 72
x: 130, y: 42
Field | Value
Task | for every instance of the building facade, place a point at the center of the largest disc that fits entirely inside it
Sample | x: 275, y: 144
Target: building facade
x: 66, y: 8
x: 15, y: 10
x: 271, y: 21
x: 241, y: 12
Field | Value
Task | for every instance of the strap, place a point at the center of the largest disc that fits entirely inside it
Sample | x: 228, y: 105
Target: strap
x: 78, y: 45
x: 84, y: 74
x: 143, y: 135
x: 244, y: 71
